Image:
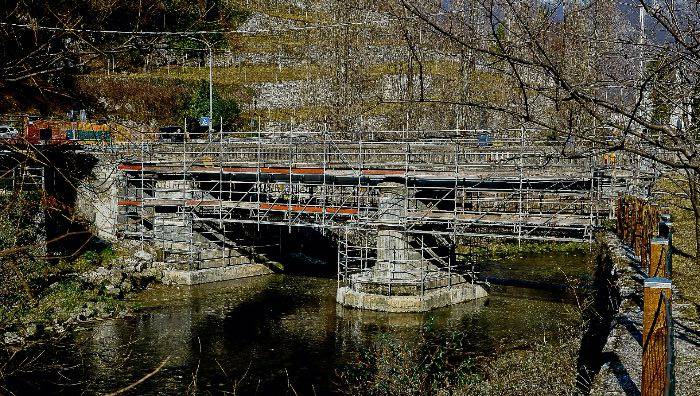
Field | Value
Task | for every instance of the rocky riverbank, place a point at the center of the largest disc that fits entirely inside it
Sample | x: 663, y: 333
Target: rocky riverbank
x: 74, y: 298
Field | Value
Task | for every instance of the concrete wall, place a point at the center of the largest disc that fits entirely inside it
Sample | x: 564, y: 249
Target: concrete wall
x: 97, y: 198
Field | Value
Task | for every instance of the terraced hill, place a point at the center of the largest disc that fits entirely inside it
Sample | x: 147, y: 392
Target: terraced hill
x: 307, y: 63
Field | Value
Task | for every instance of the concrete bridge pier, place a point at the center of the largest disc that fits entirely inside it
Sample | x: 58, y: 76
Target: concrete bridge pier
x: 190, y: 246
x: 407, y: 272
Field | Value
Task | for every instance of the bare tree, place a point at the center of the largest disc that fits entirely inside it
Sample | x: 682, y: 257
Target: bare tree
x: 618, y: 77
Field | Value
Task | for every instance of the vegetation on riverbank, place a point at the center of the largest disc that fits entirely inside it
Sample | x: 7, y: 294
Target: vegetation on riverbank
x: 41, y: 292
x: 448, y: 366
x: 498, y: 249
x: 55, y: 296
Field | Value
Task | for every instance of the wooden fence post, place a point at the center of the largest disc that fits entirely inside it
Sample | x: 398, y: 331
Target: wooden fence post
x: 620, y: 212
x: 657, y: 349
x: 666, y: 231
x: 630, y: 223
x: 650, y: 230
x: 666, y: 227
x: 658, y: 262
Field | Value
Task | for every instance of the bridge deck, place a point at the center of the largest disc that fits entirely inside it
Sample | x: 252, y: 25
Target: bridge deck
x: 508, y: 187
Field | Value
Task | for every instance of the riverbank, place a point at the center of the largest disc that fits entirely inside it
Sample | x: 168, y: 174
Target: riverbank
x: 60, y: 296
x: 621, y: 358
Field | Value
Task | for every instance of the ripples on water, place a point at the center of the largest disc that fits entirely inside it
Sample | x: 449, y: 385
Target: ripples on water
x: 268, y: 332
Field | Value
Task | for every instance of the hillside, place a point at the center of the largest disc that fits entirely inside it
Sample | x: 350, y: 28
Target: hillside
x: 285, y: 69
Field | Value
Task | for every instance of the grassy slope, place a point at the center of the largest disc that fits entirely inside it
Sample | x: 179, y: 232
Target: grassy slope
x: 685, y: 272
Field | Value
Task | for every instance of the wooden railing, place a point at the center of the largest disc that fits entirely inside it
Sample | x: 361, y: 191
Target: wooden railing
x: 648, y: 232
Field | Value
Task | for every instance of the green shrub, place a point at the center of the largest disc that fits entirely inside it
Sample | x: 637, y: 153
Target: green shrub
x: 390, y: 366
x: 223, y: 109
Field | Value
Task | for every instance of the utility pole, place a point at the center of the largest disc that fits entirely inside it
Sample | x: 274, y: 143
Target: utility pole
x: 211, y: 88
x: 211, y: 83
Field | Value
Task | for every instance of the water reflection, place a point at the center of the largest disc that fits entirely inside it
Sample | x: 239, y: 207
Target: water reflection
x: 259, y: 335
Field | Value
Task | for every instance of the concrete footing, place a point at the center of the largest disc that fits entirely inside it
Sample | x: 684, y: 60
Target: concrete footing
x: 216, y: 274
x: 413, y: 303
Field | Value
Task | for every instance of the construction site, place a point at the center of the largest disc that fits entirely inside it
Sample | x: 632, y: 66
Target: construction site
x: 349, y: 197
x: 394, y: 204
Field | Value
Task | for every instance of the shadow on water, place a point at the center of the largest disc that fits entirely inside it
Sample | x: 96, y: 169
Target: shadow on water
x: 259, y: 335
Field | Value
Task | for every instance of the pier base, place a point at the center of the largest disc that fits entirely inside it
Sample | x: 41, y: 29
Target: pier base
x: 215, y: 274
x: 410, y: 303
x: 398, y: 271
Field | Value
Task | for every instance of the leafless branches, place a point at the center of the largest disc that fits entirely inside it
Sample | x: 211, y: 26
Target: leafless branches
x: 140, y: 381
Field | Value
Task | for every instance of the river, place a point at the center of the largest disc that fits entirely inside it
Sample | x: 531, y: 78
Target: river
x: 269, y: 334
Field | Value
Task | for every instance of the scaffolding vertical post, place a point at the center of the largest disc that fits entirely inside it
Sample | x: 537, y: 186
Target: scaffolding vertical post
x: 449, y: 269
x: 347, y: 259
x: 143, y: 191
x: 520, y: 185
x: 456, y: 188
x: 257, y: 176
x: 405, y: 179
x: 289, y: 201
x: 363, y: 263
x: 183, y: 204
x: 359, y: 173
x: 222, y: 229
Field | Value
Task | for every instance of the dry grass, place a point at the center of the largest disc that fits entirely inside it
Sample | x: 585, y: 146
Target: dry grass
x: 283, y: 11
x: 238, y: 75
x: 390, y: 366
x: 270, y: 43
x: 686, y: 275
x: 547, y: 369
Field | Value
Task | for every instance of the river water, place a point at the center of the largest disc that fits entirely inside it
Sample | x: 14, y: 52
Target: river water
x: 266, y: 335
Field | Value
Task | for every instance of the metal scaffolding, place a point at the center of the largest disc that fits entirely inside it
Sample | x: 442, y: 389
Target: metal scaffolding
x: 195, y: 199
